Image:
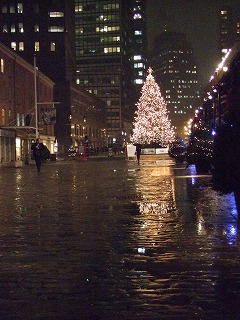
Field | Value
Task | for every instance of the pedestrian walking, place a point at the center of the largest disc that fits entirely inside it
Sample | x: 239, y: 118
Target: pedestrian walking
x: 138, y: 152
x: 37, y: 152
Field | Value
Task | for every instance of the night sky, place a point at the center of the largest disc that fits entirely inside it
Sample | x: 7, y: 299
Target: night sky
x: 199, y: 19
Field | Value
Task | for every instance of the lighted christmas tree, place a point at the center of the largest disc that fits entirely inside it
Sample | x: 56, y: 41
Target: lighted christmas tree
x: 151, y: 123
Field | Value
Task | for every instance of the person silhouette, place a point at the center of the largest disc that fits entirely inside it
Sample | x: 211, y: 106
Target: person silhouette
x: 138, y: 152
x: 37, y: 150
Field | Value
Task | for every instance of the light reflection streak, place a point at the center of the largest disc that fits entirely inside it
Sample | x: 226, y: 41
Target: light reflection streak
x: 182, y: 222
x: 213, y: 213
x: 141, y: 250
x: 170, y: 199
x: 156, y: 207
x: 231, y: 234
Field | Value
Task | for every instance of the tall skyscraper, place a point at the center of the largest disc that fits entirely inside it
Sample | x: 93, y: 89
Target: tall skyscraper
x: 175, y: 70
x: 44, y: 29
x: 229, y: 32
x: 111, y: 44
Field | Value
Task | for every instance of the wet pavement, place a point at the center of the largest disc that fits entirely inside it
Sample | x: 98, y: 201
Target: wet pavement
x: 108, y: 239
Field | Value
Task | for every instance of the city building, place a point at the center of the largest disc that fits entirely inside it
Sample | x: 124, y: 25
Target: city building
x: 111, y: 44
x: 45, y: 30
x: 175, y: 70
x: 19, y: 84
x: 229, y: 32
x: 86, y: 119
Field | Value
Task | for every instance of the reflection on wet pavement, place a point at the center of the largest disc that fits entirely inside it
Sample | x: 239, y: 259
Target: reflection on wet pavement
x: 113, y: 240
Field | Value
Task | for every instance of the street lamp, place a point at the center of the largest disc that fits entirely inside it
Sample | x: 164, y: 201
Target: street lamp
x: 35, y: 98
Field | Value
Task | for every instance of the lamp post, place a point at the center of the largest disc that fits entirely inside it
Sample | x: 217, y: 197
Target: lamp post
x: 35, y: 98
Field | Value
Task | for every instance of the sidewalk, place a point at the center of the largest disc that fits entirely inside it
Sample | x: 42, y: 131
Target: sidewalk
x: 111, y: 240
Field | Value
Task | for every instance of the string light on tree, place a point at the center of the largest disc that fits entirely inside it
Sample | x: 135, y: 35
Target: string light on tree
x: 151, y: 123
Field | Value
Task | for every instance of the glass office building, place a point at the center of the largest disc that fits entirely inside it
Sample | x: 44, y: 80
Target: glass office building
x: 176, y: 72
x: 111, y: 46
x: 229, y: 23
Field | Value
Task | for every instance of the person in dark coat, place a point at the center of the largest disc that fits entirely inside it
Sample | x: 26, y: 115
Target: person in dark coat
x: 37, y: 152
x: 138, y: 152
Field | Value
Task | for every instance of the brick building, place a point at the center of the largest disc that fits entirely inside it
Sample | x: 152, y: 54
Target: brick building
x: 21, y: 85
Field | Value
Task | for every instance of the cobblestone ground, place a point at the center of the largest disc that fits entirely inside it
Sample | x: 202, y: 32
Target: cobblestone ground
x: 108, y: 239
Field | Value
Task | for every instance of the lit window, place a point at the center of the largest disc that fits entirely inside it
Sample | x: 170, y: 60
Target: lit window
x: 107, y: 29
x: 138, y: 81
x: 78, y: 8
x: 79, y: 30
x: 21, y: 46
x: 138, y: 57
x: 53, y: 46
x: 2, y: 66
x: 36, y: 28
x: 137, y: 16
x: 36, y: 46
x: 112, y: 50
x: 13, y: 28
x: 18, y: 119
x: 137, y: 32
x: 3, y: 117
x: 20, y: 8
x: 14, y: 45
x: 20, y: 27
x: 115, y: 28
x: 12, y: 9
x: 56, y: 29
x: 56, y: 14
x: 102, y: 18
x: 138, y: 65
x: 111, y: 6
x: 5, y: 29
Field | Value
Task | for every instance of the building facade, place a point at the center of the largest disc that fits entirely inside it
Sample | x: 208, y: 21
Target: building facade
x: 229, y: 24
x: 20, y: 83
x: 45, y: 30
x: 85, y: 119
x: 111, y: 58
x: 175, y: 70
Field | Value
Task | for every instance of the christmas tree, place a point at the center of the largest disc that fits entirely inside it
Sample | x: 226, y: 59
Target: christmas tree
x: 151, y: 123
